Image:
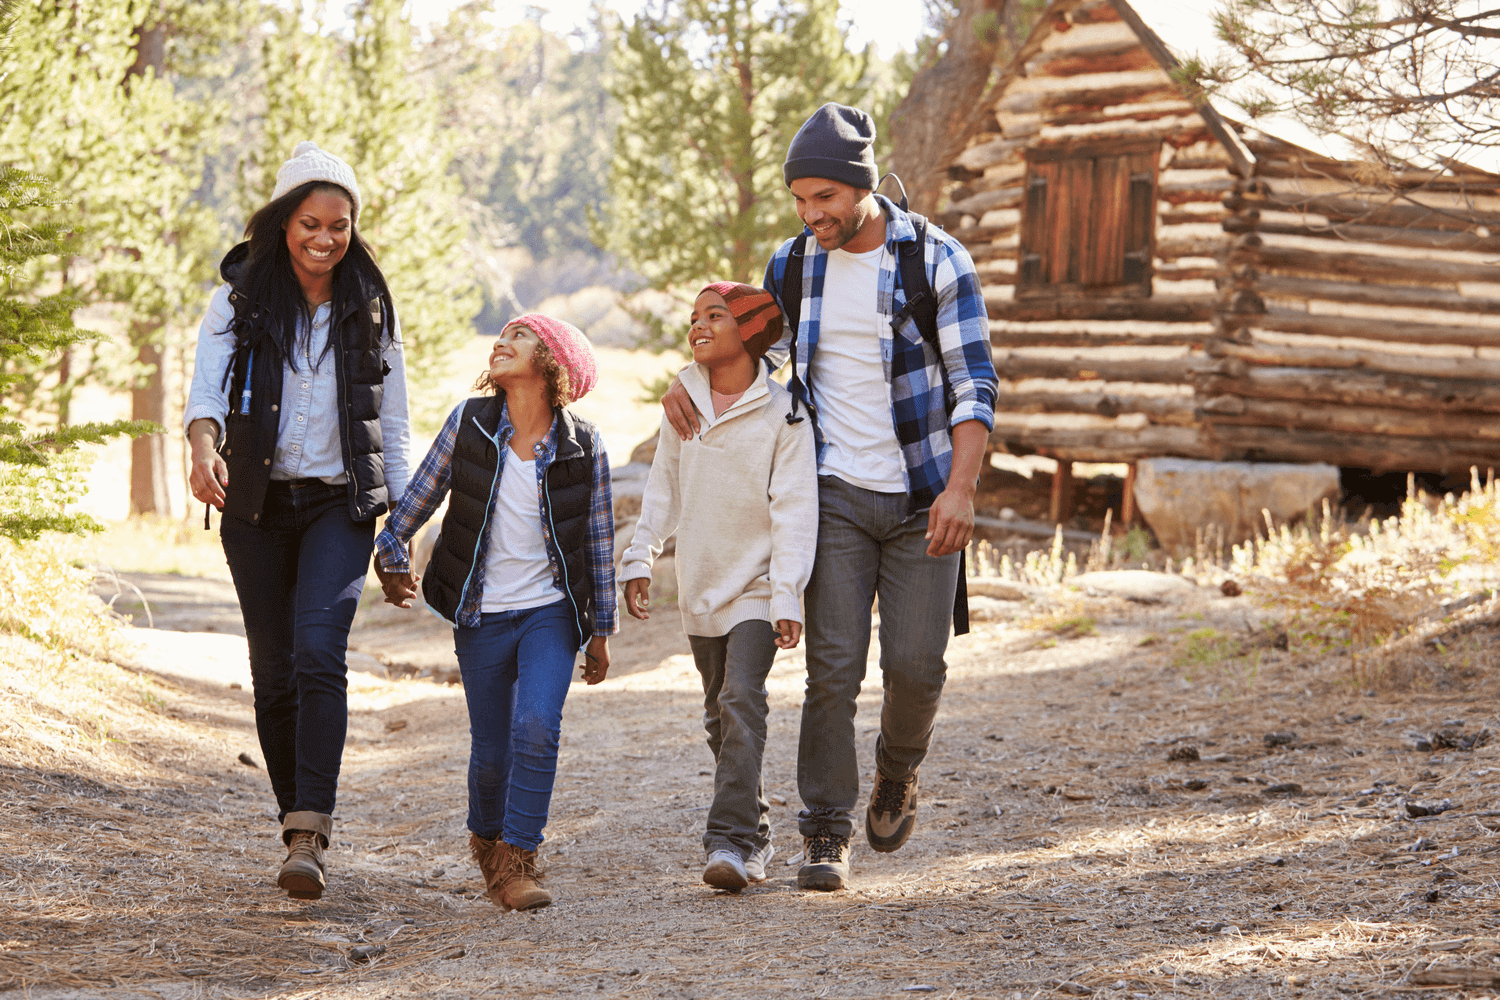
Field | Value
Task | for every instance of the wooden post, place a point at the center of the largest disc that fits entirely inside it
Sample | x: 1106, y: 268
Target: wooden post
x: 1127, y: 503
x: 1062, y: 491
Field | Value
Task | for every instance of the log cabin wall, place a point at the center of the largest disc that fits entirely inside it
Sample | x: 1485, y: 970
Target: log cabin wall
x: 1094, y: 213
x: 1360, y: 317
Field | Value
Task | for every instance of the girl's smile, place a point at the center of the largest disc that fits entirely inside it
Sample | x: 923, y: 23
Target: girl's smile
x: 317, y: 235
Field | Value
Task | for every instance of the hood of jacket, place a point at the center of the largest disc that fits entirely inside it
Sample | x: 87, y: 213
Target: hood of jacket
x: 695, y: 380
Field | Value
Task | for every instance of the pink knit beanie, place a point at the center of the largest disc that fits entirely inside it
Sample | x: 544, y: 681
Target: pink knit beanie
x: 569, y: 346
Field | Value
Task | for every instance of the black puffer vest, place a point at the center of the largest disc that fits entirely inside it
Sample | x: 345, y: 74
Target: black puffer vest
x: 475, y: 469
x: 251, y: 428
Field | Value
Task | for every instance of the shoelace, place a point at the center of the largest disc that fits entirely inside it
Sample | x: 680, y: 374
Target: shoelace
x: 526, y: 867
x: 824, y: 846
x: 304, y: 845
x: 890, y: 796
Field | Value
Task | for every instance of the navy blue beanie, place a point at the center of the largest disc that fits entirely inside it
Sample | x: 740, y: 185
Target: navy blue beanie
x: 835, y: 143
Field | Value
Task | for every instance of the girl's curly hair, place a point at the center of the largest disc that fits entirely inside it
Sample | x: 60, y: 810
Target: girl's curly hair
x: 559, y: 387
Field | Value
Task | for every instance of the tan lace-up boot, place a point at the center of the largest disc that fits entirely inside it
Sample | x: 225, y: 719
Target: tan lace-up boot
x: 522, y: 880
x: 489, y: 855
x: 303, y: 874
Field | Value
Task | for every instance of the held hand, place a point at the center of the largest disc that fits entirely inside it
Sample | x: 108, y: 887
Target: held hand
x: 596, y: 659
x: 680, y: 412
x: 400, y: 588
x: 789, y: 633
x: 638, y: 597
x: 950, y: 523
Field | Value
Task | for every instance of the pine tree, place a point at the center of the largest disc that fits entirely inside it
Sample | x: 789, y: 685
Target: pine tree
x: 361, y: 100
x: 711, y: 93
x: 39, y: 470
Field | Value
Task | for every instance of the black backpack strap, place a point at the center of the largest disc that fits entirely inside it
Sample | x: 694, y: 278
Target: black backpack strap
x: 921, y: 307
x: 791, y: 305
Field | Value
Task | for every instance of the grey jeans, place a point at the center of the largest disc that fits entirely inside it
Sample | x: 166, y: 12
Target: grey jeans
x: 866, y: 547
x: 734, y: 669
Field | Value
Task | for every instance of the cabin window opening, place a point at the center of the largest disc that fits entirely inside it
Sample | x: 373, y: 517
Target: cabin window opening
x: 1088, y: 222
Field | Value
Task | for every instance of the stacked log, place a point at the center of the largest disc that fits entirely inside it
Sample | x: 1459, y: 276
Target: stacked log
x: 1357, y: 318
x: 1119, y: 367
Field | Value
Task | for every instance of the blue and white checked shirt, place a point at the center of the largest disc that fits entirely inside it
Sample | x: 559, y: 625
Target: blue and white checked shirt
x: 922, y: 413
x: 429, y: 485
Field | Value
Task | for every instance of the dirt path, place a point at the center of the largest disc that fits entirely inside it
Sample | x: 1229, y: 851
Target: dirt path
x: 1059, y: 850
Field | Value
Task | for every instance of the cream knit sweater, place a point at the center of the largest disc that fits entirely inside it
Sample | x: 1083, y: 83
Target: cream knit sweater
x: 742, y: 497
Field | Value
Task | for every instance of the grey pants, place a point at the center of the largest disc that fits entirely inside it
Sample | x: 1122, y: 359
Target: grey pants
x: 734, y: 669
x: 867, y: 546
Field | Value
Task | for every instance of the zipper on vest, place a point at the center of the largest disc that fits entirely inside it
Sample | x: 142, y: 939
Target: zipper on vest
x: 484, y: 525
x: 245, y: 389
x: 562, y: 560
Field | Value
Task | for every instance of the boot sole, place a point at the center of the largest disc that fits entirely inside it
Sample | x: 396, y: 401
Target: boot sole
x: 821, y: 878
x: 300, y: 886
x: 725, y: 877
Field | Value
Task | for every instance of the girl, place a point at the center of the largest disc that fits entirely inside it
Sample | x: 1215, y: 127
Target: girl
x: 298, y: 426
x: 524, y: 569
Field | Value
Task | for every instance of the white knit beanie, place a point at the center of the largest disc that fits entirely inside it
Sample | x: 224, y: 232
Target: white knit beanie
x: 309, y: 163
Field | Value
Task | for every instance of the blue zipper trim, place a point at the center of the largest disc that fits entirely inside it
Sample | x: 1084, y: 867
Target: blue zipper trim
x: 245, y: 389
x: 562, y: 562
x: 484, y: 526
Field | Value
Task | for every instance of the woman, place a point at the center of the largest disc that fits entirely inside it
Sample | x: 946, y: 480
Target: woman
x: 524, y: 569
x: 297, y: 421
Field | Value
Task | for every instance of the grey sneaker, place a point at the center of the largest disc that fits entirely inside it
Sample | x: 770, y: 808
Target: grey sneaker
x: 726, y: 870
x: 755, y: 864
x: 826, y: 864
x: 892, y: 814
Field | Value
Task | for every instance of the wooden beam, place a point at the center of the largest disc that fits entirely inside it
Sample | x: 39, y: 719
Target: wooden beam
x: 1389, y: 331
x: 1158, y: 308
x: 1285, y: 356
x: 1061, y: 508
x: 1127, y: 502
x: 1366, y: 267
x: 1376, y: 452
x: 1358, y: 388
x: 1100, y: 444
x: 1173, y: 410
x: 1409, y: 296
x: 1417, y: 239
x: 1023, y: 337
x: 1374, y: 208
x: 1336, y: 418
x: 1175, y: 371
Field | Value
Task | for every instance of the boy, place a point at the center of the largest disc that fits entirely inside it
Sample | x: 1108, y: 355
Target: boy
x: 742, y: 496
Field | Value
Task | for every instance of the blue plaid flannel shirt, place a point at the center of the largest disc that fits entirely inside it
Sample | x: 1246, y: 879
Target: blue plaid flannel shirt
x: 923, y: 410
x: 429, y: 485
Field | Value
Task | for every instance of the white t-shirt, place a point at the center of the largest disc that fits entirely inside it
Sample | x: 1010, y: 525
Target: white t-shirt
x: 848, y: 378
x: 517, y: 574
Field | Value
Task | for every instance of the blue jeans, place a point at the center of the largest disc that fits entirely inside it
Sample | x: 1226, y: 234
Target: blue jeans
x: 516, y: 667
x: 868, y: 546
x: 299, y: 574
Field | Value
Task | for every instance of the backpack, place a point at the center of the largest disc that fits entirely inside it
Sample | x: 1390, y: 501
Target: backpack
x: 921, y: 307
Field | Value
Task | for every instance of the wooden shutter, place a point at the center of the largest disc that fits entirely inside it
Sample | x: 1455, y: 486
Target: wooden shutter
x: 1087, y: 222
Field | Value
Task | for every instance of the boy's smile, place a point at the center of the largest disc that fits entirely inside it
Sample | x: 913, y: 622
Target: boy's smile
x: 714, y: 336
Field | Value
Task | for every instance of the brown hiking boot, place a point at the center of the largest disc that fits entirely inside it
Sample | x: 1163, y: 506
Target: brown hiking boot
x: 489, y: 855
x: 303, y: 874
x: 522, y: 880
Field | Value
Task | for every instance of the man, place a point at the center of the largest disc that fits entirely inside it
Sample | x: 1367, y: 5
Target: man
x: 900, y: 432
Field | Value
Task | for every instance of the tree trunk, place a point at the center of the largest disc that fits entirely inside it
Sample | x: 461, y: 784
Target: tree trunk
x: 946, y: 104
x: 148, y: 401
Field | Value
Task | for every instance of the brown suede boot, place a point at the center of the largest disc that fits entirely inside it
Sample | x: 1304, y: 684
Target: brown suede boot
x: 489, y: 855
x: 305, y: 834
x: 522, y: 880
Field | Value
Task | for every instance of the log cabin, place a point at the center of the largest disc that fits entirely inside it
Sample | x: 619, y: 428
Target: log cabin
x: 1164, y: 281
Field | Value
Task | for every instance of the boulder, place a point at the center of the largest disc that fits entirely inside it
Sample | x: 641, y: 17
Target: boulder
x: 1178, y: 496
x: 1137, y: 585
x: 627, y: 485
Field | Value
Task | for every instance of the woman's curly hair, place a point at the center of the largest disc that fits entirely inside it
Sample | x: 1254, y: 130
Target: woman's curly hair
x: 559, y: 387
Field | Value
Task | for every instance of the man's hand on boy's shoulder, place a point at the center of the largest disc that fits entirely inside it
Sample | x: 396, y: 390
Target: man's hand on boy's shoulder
x: 788, y: 633
x: 680, y: 412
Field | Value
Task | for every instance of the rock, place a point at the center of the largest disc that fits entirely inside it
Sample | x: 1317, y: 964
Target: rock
x: 1278, y: 739
x: 628, y: 483
x: 1177, y: 496
x: 1138, y: 585
x: 365, y: 952
x: 993, y: 586
x: 645, y: 452
x: 1183, y: 753
x: 365, y: 664
x: 248, y: 760
x: 1229, y: 588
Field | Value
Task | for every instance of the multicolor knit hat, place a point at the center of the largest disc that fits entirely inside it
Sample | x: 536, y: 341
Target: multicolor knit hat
x: 569, y: 346
x: 757, y: 314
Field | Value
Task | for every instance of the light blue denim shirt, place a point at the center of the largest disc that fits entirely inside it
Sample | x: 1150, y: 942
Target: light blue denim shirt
x: 307, y: 438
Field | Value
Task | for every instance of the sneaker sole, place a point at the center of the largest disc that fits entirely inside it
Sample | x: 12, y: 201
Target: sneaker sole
x: 724, y: 877
x: 888, y: 845
x: 821, y: 878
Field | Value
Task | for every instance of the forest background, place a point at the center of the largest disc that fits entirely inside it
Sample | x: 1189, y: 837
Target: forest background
x: 595, y: 174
